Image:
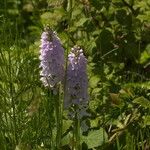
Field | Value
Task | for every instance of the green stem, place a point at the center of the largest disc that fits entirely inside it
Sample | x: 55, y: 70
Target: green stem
x: 58, y: 112
x: 50, y: 111
x: 77, y: 145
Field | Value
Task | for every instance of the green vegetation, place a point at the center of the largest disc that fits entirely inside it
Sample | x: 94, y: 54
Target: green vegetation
x: 115, y: 37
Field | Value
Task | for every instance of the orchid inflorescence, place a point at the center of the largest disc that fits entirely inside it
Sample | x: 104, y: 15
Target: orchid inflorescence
x: 51, y: 58
x: 53, y: 72
x: 76, y: 83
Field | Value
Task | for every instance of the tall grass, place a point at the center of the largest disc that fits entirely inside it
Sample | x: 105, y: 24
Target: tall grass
x: 20, y: 89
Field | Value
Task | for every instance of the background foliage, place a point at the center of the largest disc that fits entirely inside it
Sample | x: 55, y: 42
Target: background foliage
x: 115, y: 36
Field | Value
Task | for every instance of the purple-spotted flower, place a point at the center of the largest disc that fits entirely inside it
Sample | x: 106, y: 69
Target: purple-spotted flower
x: 76, y: 82
x: 51, y: 58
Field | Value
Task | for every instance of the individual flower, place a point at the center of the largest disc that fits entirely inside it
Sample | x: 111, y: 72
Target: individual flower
x: 51, y: 58
x: 76, y: 80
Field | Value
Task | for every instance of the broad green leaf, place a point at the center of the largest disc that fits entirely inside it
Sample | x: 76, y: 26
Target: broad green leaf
x: 123, y: 18
x: 45, y: 18
x: 147, y: 120
x: 98, y: 4
x: 95, y: 138
x: 67, y: 124
x: 145, y: 56
x: 94, y: 123
x: 104, y: 41
x: 93, y: 105
x: 142, y: 101
x: 52, y: 18
x: 66, y: 139
x: 76, y: 12
x: 94, y: 81
x: 96, y: 91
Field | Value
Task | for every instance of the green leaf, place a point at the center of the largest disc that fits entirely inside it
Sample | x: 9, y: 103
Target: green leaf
x: 142, y: 101
x: 67, y: 124
x: 104, y: 41
x: 81, y: 22
x: 94, y: 81
x: 145, y: 56
x: 96, y: 91
x: 146, y: 120
x: 66, y: 139
x: 76, y: 12
x: 52, y: 18
x: 123, y: 18
x: 94, y: 123
x: 140, y: 85
x: 95, y: 138
x: 98, y: 4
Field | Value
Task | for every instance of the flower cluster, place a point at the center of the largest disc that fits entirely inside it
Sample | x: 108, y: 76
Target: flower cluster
x: 76, y: 82
x: 51, y: 59
x: 52, y: 72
